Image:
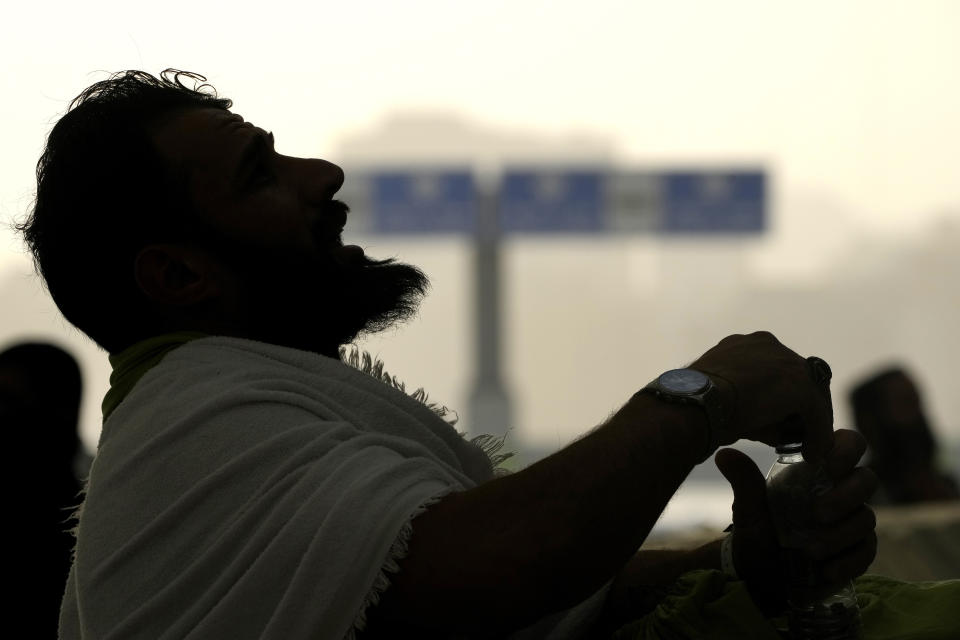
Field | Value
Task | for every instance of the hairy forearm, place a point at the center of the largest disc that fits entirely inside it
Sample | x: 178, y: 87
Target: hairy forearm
x: 519, y: 547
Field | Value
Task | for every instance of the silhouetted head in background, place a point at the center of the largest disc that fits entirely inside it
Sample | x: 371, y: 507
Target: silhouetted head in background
x: 888, y: 411
x: 159, y: 210
x: 40, y: 388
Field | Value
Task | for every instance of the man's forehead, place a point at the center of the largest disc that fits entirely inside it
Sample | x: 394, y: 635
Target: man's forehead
x: 222, y: 118
x: 197, y: 121
x: 201, y: 136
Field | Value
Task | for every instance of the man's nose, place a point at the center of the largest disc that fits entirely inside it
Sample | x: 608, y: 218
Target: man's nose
x: 336, y: 179
x: 320, y: 179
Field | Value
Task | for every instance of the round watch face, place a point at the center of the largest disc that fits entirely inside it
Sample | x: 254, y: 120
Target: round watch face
x: 684, y: 381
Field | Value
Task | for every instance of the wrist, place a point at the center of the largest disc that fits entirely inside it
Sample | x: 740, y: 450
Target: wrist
x: 727, y: 564
x: 684, y: 429
x: 691, y: 387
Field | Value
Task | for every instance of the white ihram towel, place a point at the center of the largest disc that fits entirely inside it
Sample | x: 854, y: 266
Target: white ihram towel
x: 246, y: 490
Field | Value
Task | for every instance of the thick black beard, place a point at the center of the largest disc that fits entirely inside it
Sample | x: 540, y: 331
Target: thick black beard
x: 374, y: 296
x: 315, y: 303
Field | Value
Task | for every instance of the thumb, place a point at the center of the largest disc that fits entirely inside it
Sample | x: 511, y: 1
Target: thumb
x: 749, y: 486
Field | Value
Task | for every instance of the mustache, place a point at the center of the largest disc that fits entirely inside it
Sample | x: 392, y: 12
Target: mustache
x: 335, y: 207
x: 336, y: 211
x: 331, y: 219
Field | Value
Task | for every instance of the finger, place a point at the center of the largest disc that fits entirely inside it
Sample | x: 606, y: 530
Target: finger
x: 789, y: 431
x: 848, y: 447
x: 820, y: 372
x: 852, y: 563
x: 749, y: 486
x: 818, y: 417
x: 817, y: 436
x: 851, y: 531
x: 845, y: 497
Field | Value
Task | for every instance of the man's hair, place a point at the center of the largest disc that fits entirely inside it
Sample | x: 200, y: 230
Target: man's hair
x: 46, y: 378
x: 103, y: 193
x: 867, y: 394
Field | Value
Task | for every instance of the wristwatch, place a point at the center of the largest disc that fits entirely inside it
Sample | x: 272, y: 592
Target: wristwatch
x: 689, y: 386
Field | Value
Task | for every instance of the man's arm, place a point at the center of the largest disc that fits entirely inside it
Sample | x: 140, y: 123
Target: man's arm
x: 512, y: 550
x: 508, y: 552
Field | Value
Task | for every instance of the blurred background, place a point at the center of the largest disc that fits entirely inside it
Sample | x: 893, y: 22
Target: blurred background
x: 599, y: 191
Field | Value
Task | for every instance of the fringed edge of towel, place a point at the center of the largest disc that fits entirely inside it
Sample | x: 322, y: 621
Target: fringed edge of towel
x: 74, y: 512
x: 489, y: 444
x: 398, y: 551
x: 365, y: 363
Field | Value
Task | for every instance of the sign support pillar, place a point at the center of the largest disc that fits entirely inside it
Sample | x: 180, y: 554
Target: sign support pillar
x: 490, y: 407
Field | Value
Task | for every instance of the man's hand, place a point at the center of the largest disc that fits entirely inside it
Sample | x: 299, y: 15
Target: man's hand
x: 769, y: 393
x: 842, y: 542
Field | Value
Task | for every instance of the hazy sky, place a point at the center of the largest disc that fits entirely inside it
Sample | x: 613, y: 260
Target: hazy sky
x: 856, y: 100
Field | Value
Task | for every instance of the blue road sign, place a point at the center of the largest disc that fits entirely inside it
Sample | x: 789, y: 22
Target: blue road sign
x: 587, y: 200
x: 423, y: 201
x: 713, y: 202
x: 552, y: 200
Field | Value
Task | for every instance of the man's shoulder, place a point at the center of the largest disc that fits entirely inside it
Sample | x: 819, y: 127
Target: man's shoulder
x: 232, y: 351
x: 223, y: 365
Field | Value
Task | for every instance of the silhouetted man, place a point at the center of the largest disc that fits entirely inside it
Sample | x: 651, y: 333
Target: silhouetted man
x: 249, y: 483
x: 40, y: 387
x: 888, y: 412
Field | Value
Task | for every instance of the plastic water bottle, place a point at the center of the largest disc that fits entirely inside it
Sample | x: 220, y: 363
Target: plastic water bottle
x: 816, y: 610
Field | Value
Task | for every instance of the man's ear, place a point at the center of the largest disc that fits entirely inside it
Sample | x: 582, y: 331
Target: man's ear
x: 175, y: 275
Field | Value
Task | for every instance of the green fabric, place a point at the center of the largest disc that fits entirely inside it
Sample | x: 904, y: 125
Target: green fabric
x: 133, y: 362
x: 707, y: 604
x: 916, y: 610
x: 702, y: 604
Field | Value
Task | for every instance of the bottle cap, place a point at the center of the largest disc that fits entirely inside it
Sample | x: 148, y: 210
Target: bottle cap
x: 791, y: 447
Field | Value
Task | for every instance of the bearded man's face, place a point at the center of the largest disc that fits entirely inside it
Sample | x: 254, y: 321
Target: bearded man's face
x: 272, y: 224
